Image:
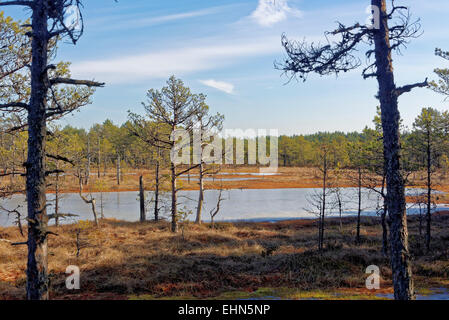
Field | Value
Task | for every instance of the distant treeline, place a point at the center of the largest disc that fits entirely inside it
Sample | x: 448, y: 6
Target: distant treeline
x: 101, y: 146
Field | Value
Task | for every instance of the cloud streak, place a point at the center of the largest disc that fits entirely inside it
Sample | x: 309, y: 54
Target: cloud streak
x: 138, y: 20
x: 179, y: 61
x: 219, y: 85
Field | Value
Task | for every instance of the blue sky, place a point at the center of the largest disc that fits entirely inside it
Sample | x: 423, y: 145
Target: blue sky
x: 226, y: 49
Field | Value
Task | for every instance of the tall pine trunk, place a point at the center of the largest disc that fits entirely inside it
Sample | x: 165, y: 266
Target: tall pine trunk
x: 37, y: 266
x: 400, y: 258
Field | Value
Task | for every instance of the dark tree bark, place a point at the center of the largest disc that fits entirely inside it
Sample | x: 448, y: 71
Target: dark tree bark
x: 388, y: 96
x: 57, y: 198
x: 383, y: 217
x: 323, y: 204
x: 86, y: 181
x: 174, y: 200
x: 37, y: 266
x: 99, y: 157
x: 118, y: 169
x: 142, y: 200
x: 429, y: 190
x: 156, y: 191
x: 340, y: 56
x: 359, y: 197
x: 42, y: 11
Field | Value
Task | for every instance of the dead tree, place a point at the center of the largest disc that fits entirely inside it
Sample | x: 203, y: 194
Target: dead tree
x: 205, y: 126
x: 317, y: 205
x: 18, y: 217
x: 90, y: 201
x: 390, y: 32
x: 338, y: 203
x: 318, y: 201
x: 214, y: 212
x: 149, y: 133
x: 47, y: 24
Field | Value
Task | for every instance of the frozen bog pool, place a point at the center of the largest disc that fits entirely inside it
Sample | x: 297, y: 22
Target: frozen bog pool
x: 247, y: 204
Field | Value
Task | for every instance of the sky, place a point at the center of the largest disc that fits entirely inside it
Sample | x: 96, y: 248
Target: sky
x: 227, y: 49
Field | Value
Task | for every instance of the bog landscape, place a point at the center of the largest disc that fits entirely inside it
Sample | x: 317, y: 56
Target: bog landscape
x: 124, y: 175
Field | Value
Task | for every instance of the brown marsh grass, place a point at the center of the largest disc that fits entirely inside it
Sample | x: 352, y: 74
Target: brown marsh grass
x: 122, y: 259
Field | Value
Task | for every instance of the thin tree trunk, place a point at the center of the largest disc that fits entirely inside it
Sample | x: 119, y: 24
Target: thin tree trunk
x: 340, y: 210
x: 400, y: 258
x: 86, y: 181
x: 321, y: 246
x: 174, y: 209
x: 201, y: 196
x: 142, y: 200
x: 37, y: 266
x: 429, y: 194
x: 420, y: 221
x: 156, y: 193
x: 105, y: 165
x: 92, y: 202
x: 101, y: 205
x: 57, y: 200
x: 359, y: 210
x: 99, y: 157
x: 118, y: 169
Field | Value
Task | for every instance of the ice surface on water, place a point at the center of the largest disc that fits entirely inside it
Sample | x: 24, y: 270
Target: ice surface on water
x: 248, y: 204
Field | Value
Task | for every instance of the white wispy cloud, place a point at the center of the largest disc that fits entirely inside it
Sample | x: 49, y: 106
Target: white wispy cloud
x: 219, y: 85
x: 270, y: 12
x: 179, y: 61
x: 178, y: 16
x: 131, y: 21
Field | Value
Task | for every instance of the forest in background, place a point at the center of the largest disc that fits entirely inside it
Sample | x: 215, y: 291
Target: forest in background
x: 97, y: 150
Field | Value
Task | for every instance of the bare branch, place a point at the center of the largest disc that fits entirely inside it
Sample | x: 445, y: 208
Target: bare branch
x: 333, y: 58
x: 17, y: 3
x: 13, y: 105
x: 76, y: 82
x: 408, y: 88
